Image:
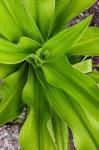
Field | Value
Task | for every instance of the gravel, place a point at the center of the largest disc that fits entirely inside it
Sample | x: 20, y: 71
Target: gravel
x: 9, y: 133
x: 9, y: 137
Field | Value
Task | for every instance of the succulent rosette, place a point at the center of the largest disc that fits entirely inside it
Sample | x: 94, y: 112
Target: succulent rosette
x: 41, y: 68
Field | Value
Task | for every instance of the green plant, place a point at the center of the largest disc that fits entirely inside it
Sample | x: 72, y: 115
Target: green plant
x: 36, y: 50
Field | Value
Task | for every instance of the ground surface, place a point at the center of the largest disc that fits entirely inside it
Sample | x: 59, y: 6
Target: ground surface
x: 9, y: 132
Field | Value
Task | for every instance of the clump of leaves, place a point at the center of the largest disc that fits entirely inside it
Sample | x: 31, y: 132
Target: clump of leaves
x: 40, y: 66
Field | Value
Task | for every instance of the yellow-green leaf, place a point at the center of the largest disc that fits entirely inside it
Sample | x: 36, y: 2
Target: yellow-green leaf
x: 63, y: 41
x: 11, y: 103
x: 80, y: 87
x: 65, y: 10
x: 84, y: 131
x: 88, y: 44
x: 11, y: 53
x: 27, y: 25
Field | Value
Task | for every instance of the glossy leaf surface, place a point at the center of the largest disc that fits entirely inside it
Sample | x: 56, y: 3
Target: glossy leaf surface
x: 65, y: 10
x: 73, y: 114
x: 37, y: 119
x: 88, y: 44
x: 63, y: 41
x: 80, y: 87
x: 14, y: 53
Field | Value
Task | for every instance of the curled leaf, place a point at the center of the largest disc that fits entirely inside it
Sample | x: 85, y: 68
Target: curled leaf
x: 15, y: 53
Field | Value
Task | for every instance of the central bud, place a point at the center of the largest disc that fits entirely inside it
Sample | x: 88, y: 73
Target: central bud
x: 39, y: 58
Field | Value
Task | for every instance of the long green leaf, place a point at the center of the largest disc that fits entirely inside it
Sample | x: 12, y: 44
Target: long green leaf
x: 31, y: 6
x: 8, y: 26
x: 11, y: 103
x: 29, y: 90
x: 46, y: 140
x: 23, y: 20
x: 14, y: 53
x: 43, y: 19
x: 85, y: 136
x: 63, y: 41
x: 37, y: 119
x: 79, y: 86
x: 88, y: 44
x: 45, y: 9
x: 60, y: 6
x: 61, y: 133
x: 65, y: 10
x: 29, y: 131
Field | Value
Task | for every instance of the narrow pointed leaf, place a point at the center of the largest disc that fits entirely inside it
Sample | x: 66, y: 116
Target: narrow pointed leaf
x: 46, y: 141
x: 35, y: 8
x: 61, y: 74
x: 63, y: 41
x: 88, y: 44
x: 73, y: 115
x: 61, y: 133
x: 29, y: 133
x: 8, y: 26
x: 37, y: 119
x: 31, y: 6
x: 45, y: 14
x: 11, y: 103
x: 60, y: 6
x: 67, y: 10
x: 29, y: 89
x: 24, y: 21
